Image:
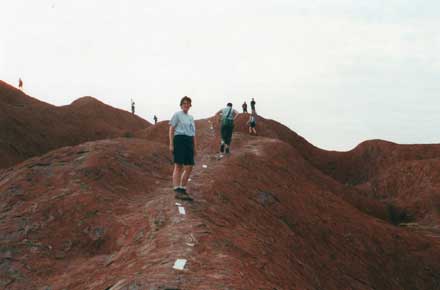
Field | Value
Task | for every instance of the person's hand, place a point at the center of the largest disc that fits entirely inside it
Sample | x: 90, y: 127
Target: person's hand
x: 172, y: 148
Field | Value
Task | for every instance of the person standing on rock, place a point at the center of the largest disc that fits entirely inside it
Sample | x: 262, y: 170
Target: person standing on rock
x: 132, y: 106
x: 20, y: 84
x: 252, y: 124
x: 182, y: 137
x: 244, y: 106
x: 253, y: 106
x: 228, y: 115
x: 155, y: 119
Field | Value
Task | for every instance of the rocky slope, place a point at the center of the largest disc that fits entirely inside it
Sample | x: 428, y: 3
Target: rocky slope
x: 101, y: 215
x: 29, y: 127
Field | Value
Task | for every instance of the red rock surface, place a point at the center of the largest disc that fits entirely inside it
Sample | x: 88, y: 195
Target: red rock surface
x: 29, y: 127
x: 278, y: 213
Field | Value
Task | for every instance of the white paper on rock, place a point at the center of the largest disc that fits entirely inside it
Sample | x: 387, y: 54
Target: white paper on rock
x: 179, y: 264
x: 182, y: 210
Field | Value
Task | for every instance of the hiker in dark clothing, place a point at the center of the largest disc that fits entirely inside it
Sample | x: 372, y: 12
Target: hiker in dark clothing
x: 132, y: 106
x: 183, y: 144
x: 253, y: 106
x: 155, y: 120
x: 20, y: 84
x: 252, y: 124
x: 228, y: 115
x: 244, y: 106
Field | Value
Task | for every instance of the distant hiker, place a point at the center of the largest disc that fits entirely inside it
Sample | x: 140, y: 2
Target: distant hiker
x: 155, y: 119
x: 253, y: 106
x: 20, y: 84
x: 182, y: 134
x: 132, y: 106
x: 252, y: 124
x: 244, y: 106
x: 228, y: 115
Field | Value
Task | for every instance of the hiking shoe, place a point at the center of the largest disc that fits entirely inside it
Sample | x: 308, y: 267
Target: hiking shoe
x: 183, y: 196
x: 227, y: 150
x: 222, y: 148
x: 181, y: 190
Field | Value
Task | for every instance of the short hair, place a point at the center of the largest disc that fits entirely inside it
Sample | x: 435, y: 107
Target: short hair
x: 185, y: 98
x: 229, y: 105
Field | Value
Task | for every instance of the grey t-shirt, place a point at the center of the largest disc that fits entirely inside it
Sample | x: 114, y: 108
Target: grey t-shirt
x: 226, y: 111
x: 183, y: 124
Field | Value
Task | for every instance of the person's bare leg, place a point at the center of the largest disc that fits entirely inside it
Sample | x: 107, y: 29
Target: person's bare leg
x: 185, y: 175
x: 250, y: 130
x: 254, y: 130
x: 177, y: 173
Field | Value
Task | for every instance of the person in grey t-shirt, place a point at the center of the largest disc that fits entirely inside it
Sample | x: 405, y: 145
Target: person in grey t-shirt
x: 182, y: 138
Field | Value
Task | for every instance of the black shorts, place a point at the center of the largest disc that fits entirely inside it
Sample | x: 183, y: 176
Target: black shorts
x: 183, y: 150
x: 226, y: 132
x: 253, y: 124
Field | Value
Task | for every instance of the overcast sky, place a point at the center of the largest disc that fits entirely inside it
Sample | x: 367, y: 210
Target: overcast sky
x: 337, y: 72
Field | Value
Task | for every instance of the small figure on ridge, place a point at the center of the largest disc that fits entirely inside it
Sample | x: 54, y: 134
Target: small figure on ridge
x: 252, y: 124
x: 228, y: 115
x: 244, y: 106
x: 132, y: 106
x: 253, y: 106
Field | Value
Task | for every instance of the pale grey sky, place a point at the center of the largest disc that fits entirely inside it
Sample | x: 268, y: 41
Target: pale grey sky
x: 336, y: 72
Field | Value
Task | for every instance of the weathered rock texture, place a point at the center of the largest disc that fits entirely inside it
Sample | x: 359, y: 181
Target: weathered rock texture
x: 278, y: 213
x: 29, y: 127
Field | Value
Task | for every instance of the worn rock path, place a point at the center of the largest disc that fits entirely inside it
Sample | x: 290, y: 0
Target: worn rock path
x: 177, y: 235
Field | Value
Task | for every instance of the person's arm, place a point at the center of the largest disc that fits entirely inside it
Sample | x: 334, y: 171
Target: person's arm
x: 219, y: 116
x: 171, y: 137
x: 195, y: 137
x: 195, y: 145
x: 235, y: 114
x: 173, y: 123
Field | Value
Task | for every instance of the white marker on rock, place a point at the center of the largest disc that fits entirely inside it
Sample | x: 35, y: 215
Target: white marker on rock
x: 179, y: 264
x: 182, y: 210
